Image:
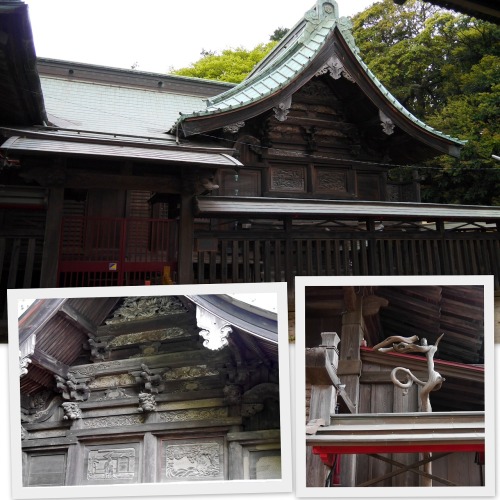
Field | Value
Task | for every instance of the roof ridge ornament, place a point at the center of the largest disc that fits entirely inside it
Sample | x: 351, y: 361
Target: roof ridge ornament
x: 322, y: 10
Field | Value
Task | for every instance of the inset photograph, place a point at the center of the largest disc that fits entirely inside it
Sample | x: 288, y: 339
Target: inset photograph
x: 396, y: 375
x: 170, y: 385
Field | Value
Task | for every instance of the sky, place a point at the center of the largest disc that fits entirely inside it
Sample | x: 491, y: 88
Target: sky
x: 159, y: 35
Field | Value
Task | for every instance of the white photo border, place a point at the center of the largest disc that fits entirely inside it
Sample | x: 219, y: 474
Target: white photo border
x: 142, y: 490
x: 302, y: 490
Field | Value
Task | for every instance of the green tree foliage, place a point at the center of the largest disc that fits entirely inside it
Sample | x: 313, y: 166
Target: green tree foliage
x: 232, y: 65
x: 445, y: 68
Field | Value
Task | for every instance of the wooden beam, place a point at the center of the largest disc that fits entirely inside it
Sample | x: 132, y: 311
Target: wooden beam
x: 49, y: 363
x: 80, y: 179
x: 77, y: 319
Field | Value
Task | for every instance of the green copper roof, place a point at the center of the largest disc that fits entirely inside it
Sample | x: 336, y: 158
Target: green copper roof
x: 292, y: 57
x: 294, y: 53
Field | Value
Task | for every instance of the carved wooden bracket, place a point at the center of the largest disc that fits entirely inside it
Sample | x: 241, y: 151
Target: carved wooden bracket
x: 282, y: 109
x: 213, y: 329
x: 386, y: 122
x: 26, y: 349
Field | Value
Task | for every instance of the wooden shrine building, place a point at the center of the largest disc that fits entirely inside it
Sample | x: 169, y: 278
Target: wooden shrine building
x: 283, y: 175
x: 159, y: 389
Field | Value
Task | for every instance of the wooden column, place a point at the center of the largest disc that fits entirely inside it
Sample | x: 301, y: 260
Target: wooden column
x: 50, y: 258
x: 150, y: 453
x: 321, y: 364
x: 349, y: 370
x: 186, y: 238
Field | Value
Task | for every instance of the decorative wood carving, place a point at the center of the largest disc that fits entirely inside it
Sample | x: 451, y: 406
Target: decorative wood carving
x: 193, y: 414
x: 118, y: 421
x: 189, y: 372
x: 335, y: 69
x: 406, y: 345
x: 26, y: 349
x: 111, y: 464
x: 213, y: 329
x: 233, y: 127
x: 152, y: 381
x: 99, y: 349
x: 193, y: 461
x: 71, y: 411
x: 72, y: 389
x: 147, y: 402
x: 151, y: 336
x: 331, y: 181
x: 288, y: 179
x: 282, y: 109
x: 386, y: 122
x: 146, y: 307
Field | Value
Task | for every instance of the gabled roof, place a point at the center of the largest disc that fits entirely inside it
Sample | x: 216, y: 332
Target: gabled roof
x: 320, y: 42
x: 21, y: 101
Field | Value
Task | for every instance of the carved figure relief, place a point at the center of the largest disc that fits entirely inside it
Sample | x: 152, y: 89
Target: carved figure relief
x: 71, y: 411
x: 147, y: 402
x: 111, y: 464
x: 193, y: 461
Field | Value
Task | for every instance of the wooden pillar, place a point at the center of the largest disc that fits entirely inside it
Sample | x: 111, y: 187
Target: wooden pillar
x: 186, y: 239
x: 322, y: 402
x: 349, y: 370
x: 50, y: 257
x: 150, y: 453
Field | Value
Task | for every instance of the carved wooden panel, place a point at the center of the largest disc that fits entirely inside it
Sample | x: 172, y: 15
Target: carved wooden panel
x: 46, y: 469
x: 192, y: 460
x: 331, y: 181
x: 112, y: 463
x: 288, y: 179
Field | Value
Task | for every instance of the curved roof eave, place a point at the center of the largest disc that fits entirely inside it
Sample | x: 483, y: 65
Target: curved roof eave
x: 387, y: 103
x: 302, y: 52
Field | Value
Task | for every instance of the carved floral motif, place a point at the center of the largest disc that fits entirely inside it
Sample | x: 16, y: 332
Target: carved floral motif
x: 118, y: 421
x: 193, y: 414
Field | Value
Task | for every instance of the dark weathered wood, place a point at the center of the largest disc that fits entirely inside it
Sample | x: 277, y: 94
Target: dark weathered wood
x: 48, y: 275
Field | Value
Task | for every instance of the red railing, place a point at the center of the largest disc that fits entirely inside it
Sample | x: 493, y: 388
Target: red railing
x: 105, y: 251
